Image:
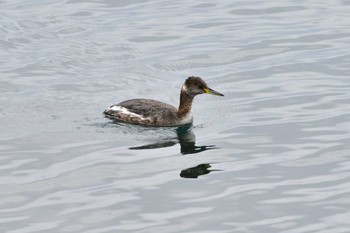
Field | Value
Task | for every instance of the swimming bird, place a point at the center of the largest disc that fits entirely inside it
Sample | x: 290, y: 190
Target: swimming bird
x: 155, y: 113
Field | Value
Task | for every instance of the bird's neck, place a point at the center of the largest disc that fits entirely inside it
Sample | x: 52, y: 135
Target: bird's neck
x: 185, y: 104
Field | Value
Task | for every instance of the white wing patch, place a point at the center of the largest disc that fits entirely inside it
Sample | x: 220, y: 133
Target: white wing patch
x: 126, y: 112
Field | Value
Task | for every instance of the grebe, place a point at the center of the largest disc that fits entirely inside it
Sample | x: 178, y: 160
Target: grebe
x: 156, y: 113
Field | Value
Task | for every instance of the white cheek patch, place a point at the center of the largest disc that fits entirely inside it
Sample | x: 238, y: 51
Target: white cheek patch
x: 184, y: 88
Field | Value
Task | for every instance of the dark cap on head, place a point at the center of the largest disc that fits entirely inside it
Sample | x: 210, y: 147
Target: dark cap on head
x: 195, y: 81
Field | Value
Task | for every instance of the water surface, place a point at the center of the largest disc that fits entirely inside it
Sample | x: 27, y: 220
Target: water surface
x: 271, y: 156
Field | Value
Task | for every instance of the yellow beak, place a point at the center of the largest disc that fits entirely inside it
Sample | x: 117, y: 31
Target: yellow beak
x: 212, y: 92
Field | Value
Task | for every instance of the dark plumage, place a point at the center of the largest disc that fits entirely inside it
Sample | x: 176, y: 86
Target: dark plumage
x: 156, y: 113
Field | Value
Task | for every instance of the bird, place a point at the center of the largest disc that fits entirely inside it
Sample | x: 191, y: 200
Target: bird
x: 150, y: 112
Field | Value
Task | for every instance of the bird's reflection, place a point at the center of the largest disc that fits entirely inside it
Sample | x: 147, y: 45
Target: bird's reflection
x: 194, y: 172
x: 186, y: 139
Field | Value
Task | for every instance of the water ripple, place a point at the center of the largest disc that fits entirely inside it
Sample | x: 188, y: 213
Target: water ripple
x: 271, y: 156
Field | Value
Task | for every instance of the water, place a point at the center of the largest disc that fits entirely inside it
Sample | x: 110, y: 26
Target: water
x: 271, y: 156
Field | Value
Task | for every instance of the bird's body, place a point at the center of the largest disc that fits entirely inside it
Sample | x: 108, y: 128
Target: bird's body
x: 156, y: 113
x: 147, y: 112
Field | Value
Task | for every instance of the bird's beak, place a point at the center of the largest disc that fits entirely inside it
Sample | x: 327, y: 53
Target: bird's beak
x: 211, y: 91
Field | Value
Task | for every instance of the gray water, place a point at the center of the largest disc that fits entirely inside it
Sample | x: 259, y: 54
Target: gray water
x: 273, y: 155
